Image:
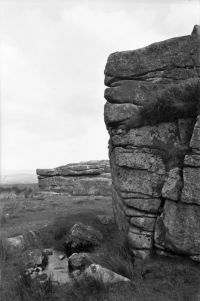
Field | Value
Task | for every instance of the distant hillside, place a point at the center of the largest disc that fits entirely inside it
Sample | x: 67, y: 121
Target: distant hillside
x: 18, y: 177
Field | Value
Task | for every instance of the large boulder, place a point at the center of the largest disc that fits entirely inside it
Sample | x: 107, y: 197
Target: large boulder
x: 82, y: 238
x: 178, y: 228
x: 90, y: 178
x: 154, y: 145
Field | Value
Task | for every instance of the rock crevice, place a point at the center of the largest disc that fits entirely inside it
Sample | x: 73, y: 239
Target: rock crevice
x: 155, y: 164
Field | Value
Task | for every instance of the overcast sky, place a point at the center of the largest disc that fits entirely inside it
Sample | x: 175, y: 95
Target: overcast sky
x: 53, y: 55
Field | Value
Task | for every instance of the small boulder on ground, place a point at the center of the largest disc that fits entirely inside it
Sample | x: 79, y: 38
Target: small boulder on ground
x: 78, y: 261
x: 16, y: 243
x: 105, y: 275
x: 82, y: 238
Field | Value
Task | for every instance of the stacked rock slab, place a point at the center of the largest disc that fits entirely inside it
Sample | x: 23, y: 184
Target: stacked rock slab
x: 157, y: 206
x: 90, y: 178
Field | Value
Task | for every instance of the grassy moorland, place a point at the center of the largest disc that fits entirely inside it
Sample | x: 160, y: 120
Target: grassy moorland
x: 160, y: 279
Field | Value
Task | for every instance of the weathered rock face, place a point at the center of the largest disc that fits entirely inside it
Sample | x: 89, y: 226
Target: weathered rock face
x: 155, y: 168
x: 82, y: 238
x: 85, y: 178
x: 178, y: 228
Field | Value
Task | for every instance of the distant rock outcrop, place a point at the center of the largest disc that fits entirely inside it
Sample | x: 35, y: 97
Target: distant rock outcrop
x: 155, y: 168
x: 90, y: 178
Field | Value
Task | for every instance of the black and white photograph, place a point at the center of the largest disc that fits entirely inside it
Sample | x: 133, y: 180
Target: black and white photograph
x: 100, y: 150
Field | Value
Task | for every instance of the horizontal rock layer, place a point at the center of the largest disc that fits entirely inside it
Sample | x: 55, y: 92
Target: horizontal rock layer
x: 172, y: 59
x: 77, y: 169
x: 155, y: 166
x: 85, y: 178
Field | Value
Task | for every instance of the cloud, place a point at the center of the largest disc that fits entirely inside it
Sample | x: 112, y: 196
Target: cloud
x: 53, y: 56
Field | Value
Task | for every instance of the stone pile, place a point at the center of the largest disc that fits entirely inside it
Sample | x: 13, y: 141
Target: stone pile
x: 90, y: 178
x: 76, y: 262
x: 156, y: 204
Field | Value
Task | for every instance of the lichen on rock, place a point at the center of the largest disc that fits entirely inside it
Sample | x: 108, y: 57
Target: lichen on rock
x: 91, y: 178
x: 153, y: 103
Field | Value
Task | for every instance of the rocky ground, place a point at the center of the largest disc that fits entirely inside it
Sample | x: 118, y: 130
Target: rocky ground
x: 49, y: 224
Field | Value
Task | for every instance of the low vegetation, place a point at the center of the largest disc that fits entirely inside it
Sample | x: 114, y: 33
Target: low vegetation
x: 162, y: 279
x: 22, y: 189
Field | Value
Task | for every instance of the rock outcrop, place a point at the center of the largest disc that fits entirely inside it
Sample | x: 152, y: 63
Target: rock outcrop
x: 90, y: 178
x: 155, y: 168
x: 82, y: 238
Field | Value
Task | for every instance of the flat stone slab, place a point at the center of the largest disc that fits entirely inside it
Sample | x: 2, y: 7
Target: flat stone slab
x: 146, y: 205
x: 158, y: 136
x: 57, y: 269
x: 145, y: 223
x: 140, y: 181
x: 77, y: 185
x: 77, y: 169
x: 165, y: 55
x: 84, y: 178
x: 129, y: 211
x: 139, y: 159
